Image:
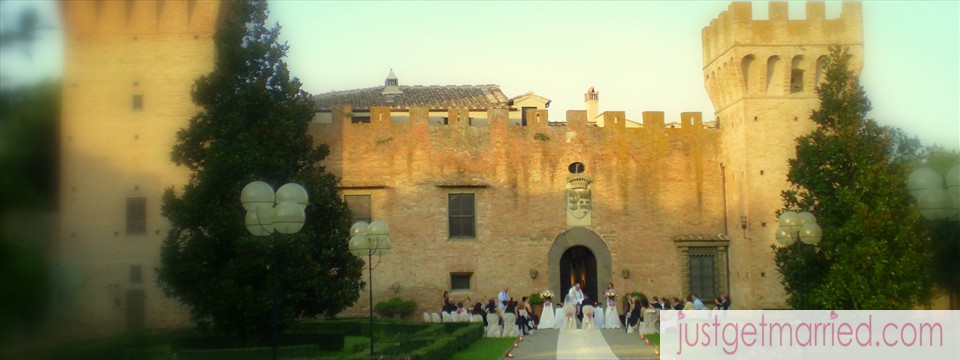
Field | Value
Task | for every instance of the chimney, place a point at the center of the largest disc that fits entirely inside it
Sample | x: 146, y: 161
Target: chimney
x: 592, y: 100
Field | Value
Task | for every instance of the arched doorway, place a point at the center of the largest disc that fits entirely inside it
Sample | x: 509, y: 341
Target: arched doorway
x: 584, y: 248
x: 578, y: 265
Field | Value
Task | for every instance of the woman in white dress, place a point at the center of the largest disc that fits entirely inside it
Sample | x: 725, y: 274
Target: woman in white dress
x: 546, y: 318
x: 612, y: 317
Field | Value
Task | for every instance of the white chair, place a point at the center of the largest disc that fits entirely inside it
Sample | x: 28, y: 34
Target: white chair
x: 559, y: 318
x: 493, y: 326
x: 588, y: 321
x: 648, y: 325
x: 570, y: 317
x: 476, y: 318
x: 426, y: 317
x: 434, y: 317
x: 510, y: 328
x: 447, y: 317
x: 598, y: 317
x: 464, y: 317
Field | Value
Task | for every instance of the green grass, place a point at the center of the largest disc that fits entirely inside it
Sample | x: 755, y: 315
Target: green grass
x: 654, y: 339
x: 486, y: 348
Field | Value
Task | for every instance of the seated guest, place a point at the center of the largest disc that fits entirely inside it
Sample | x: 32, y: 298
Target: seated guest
x: 665, y: 304
x: 725, y: 302
x: 656, y: 303
x: 689, y: 304
x: 491, y: 306
x: 449, y: 307
x: 460, y: 309
x: 677, y: 305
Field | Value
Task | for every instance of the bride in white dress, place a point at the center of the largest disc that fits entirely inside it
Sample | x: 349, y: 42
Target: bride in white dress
x: 612, y: 316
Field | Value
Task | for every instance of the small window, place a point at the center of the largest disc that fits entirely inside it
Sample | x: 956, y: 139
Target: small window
x: 360, y: 207
x: 462, y: 221
x: 576, y: 168
x: 460, y: 281
x: 138, y: 102
x: 136, y: 274
x: 136, y: 216
x: 360, y: 120
x: 436, y: 120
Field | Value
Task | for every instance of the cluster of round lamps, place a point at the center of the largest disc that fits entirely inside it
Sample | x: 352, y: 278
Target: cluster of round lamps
x: 267, y: 210
x: 935, y: 201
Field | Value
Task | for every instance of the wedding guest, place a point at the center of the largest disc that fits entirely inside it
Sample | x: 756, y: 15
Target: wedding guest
x: 460, y: 309
x: 689, y: 304
x: 502, y: 298
x: 449, y: 307
x: 677, y: 305
x: 656, y: 303
x: 491, y: 306
x: 725, y: 302
x: 697, y: 304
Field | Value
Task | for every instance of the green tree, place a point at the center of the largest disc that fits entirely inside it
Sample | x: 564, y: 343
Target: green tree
x: 252, y: 125
x: 851, y: 173
x: 29, y: 147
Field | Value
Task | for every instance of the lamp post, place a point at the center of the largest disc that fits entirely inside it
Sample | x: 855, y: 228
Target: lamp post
x: 369, y: 240
x: 267, y: 211
x: 936, y: 202
x: 802, y: 227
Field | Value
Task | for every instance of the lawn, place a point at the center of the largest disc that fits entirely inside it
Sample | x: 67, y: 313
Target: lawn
x: 486, y: 348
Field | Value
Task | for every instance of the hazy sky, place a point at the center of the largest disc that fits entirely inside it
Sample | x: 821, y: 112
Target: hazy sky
x: 640, y: 55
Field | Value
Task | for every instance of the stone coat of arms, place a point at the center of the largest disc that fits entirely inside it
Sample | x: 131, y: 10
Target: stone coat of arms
x: 578, y: 201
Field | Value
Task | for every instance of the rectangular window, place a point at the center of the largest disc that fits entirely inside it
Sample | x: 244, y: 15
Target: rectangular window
x: 703, y: 271
x: 460, y: 281
x: 136, y: 274
x: 462, y: 212
x: 360, y: 206
x: 138, y: 102
x: 360, y: 119
x: 136, y: 216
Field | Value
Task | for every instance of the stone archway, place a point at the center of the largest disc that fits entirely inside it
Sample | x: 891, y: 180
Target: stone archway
x: 578, y: 236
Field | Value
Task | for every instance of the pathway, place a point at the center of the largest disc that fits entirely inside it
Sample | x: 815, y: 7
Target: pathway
x: 550, y: 344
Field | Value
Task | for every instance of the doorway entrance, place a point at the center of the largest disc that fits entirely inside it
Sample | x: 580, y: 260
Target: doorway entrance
x: 578, y: 265
x: 579, y: 255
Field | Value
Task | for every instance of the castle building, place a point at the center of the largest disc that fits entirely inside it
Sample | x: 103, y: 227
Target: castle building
x: 481, y: 191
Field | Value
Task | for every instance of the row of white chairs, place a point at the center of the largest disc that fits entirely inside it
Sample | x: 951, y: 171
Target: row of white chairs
x: 448, y: 317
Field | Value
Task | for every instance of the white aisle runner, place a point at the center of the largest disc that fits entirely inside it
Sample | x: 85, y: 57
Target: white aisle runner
x: 583, y: 344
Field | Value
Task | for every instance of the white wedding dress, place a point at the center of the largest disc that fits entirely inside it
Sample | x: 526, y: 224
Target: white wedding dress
x: 546, y: 318
x: 612, y: 316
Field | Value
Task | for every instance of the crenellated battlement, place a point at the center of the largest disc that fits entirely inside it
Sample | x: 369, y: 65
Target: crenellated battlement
x: 736, y: 27
x: 140, y: 17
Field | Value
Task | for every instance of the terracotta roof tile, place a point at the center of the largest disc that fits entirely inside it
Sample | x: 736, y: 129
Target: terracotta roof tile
x: 434, y: 97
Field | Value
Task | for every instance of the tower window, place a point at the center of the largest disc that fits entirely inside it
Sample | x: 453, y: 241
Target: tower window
x: 796, y: 81
x: 136, y: 216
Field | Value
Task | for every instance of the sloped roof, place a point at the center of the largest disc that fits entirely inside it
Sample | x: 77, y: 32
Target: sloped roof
x: 434, y: 97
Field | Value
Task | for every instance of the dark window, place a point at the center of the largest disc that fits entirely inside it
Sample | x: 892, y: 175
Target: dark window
x: 460, y: 281
x: 136, y: 215
x: 137, y: 102
x: 462, y: 216
x: 360, y: 119
x: 360, y: 206
x: 703, y: 272
x: 523, y: 114
x: 436, y: 120
x: 796, y: 81
x: 136, y: 274
x: 576, y: 168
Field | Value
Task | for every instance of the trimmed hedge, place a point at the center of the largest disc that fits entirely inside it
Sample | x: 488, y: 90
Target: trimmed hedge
x: 301, y: 351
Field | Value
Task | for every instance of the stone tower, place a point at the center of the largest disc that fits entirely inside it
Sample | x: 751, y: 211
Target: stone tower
x: 761, y: 77
x: 128, y: 70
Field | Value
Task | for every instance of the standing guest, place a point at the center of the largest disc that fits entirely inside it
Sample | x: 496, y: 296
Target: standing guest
x: 502, y: 298
x: 446, y: 299
x: 697, y: 304
x: 524, y: 321
x: 677, y: 305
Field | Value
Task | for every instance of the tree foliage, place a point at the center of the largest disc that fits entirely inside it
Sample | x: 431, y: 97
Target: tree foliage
x: 851, y: 172
x: 945, y: 234
x: 252, y: 125
x: 29, y: 147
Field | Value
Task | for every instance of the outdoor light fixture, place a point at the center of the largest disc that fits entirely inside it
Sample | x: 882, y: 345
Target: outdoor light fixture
x: 534, y: 273
x: 802, y: 227
x: 369, y: 240
x: 268, y: 211
x: 625, y: 273
x: 935, y: 201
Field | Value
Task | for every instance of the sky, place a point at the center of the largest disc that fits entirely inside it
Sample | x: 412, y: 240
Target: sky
x: 640, y: 55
